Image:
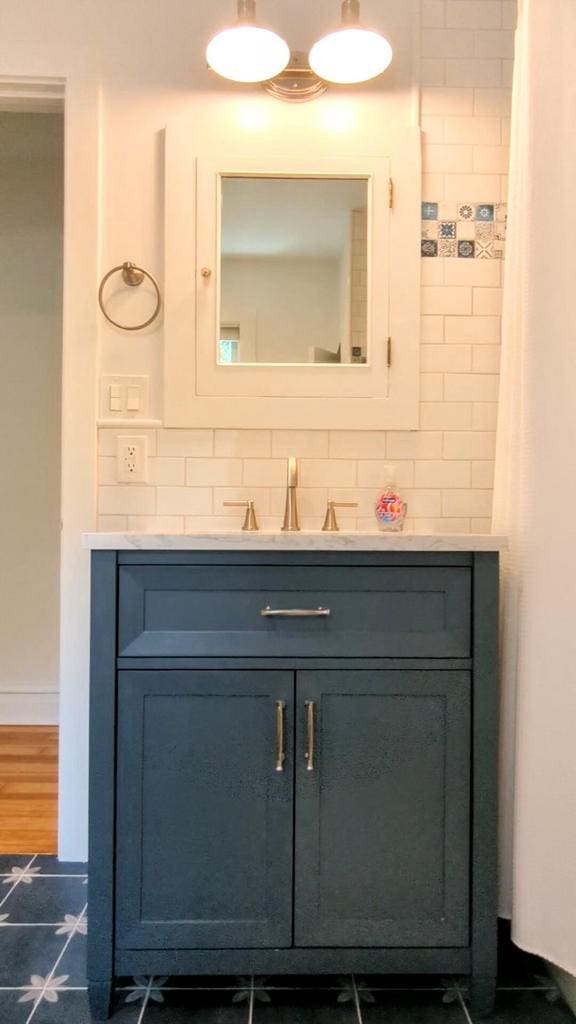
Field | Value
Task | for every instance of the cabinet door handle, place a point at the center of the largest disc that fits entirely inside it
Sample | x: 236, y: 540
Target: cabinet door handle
x: 280, y: 752
x: 295, y: 613
x: 310, y: 712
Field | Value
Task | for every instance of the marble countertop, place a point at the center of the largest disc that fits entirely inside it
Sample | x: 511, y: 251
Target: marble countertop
x: 303, y: 541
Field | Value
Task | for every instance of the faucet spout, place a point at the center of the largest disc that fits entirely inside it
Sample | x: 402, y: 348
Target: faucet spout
x: 291, y: 522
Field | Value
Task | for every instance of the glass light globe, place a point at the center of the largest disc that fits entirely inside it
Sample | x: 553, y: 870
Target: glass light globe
x: 247, y: 53
x: 350, y: 54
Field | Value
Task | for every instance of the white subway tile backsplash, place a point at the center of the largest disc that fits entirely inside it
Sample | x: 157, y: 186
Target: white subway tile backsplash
x: 480, y: 525
x: 184, y: 501
x: 470, y: 73
x: 442, y: 525
x: 450, y: 102
x: 492, y: 102
x: 446, y: 358
x: 126, y: 499
x: 484, y: 415
x: 487, y: 301
x: 259, y: 495
x: 107, y: 472
x: 433, y: 128
x: 213, y: 472
x: 411, y: 444
x: 377, y: 473
x: 264, y: 472
x: 112, y: 524
x: 432, y: 72
x: 468, y: 502
x: 433, y: 13
x: 469, y: 444
x: 166, y: 471
x: 360, y: 444
x: 423, y: 502
x: 446, y: 415
x: 431, y: 387
x: 476, y: 330
x: 253, y: 444
x: 485, y: 14
x: 477, y: 188
x: 156, y: 524
x: 312, y: 501
x: 311, y: 443
x: 493, y: 44
x: 483, y: 474
x: 327, y: 473
x: 447, y: 300
x: 177, y: 442
x: 432, y: 327
x: 474, y: 387
x: 107, y: 438
x: 509, y: 14
x: 442, y: 42
x: 448, y: 158
x: 490, y: 159
x: 439, y: 473
x: 472, y: 272
x: 473, y: 130
x: 486, y: 358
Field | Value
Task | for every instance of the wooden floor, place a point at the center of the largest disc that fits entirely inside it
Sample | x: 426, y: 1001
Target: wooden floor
x: 28, y: 788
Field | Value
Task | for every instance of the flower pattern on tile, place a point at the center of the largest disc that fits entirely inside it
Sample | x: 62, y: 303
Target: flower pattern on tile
x: 446, y: 229
x: 138, y: 990
x: 25, y: 875
x: 485, y: 250
x: 44, y: 988
x: 3, y: 919
x: 447, y: 247
x: 429, y: 229
x: 465, y: 211
x: 466, y: 250
x: 73, y: 924
x: 351, y: 988
x: 429, y: 248
x: 429, y: 211
x: 252, y: 988
x: 485, y: 232
x: 485, y: 211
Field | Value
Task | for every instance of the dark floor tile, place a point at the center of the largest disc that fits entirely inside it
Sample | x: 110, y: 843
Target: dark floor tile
x: 46, y: 899
x: 72, y: 1008
x: 12, y: 1011
x: 202, y: 983
x: 414, y: 1007
x: 53, y: 866
x: 434, y: 982
x: 27, y: 951
x: 180, y: 1006
x: 304, y: 1006
x: 11, y: 860
x: 302, y: 981
x: 527, y: 1008
x: 73, y: 962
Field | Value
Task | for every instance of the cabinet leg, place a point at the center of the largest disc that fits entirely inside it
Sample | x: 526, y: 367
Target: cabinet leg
x: 100, y: 999
x: 482, y: 994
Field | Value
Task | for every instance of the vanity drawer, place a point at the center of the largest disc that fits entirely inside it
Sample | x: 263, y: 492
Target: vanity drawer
x: 204, y: 611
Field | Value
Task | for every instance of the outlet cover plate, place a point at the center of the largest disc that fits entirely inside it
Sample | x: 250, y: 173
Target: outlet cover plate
x: 132, y: 459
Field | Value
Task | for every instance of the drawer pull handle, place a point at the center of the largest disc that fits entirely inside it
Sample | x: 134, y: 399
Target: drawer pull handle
x: 280, y: 752
x: 310, y: 710
x: 295, y: 613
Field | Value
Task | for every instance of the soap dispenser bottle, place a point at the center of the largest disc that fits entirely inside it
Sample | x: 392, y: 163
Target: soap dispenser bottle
x: 390, y: 508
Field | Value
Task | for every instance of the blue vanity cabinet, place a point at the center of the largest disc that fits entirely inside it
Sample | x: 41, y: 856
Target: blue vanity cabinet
x: 278, y: 794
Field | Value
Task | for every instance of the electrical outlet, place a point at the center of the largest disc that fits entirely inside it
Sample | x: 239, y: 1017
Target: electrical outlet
x: 131, y: 459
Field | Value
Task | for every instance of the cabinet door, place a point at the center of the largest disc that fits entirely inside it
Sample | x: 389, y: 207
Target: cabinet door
x: 382, y: 814
x: 204, y: 816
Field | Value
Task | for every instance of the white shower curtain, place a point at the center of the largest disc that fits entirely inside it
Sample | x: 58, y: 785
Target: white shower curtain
x: 535, y: 490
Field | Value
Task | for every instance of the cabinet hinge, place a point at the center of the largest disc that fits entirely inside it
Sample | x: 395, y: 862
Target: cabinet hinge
x: 390, y: 193
x: 389, y: 352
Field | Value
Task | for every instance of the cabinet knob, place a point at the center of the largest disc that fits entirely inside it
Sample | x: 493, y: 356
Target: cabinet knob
x: 206, y: 272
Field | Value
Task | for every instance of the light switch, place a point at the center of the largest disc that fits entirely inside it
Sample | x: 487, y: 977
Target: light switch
x: 132, y: 398
x: 115, y: 398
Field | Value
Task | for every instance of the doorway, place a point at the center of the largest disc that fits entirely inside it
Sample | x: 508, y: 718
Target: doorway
x: 31, y: 270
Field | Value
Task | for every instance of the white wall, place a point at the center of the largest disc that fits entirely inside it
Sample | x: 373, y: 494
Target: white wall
x: 31, y: 236
x: 295, y: 302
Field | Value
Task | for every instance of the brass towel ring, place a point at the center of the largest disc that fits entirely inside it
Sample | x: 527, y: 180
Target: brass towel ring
x: 132, y: 275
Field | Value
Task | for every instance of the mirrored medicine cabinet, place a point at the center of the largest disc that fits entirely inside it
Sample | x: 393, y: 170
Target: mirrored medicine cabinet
x: 292, y: 289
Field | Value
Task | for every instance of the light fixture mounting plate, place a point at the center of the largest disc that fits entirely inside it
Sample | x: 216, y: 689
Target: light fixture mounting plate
x: 297, y: 83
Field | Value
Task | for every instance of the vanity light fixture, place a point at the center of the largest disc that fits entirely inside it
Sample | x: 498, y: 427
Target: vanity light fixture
x: 247, y: 52
x: 351, y: 53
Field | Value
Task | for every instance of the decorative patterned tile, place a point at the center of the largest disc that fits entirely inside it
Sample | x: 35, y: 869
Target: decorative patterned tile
x: 13, y: 1012
x: 447, y: 211
x: 465, y: 211
x: 429, y: 247
x: 412, y: 1008
x: 484, y: 250
x: 500, y: 212
x: 499, y: 249
x: 429, y: 211
x: 11, y: 860
x: 46, y: 900
x: 528, y: 1008
x: 53, y: 866
x: 430, y: 229
x: 484, y: 232
x: 466, y: 250
x: 447, y: 247
x: 27, y: 951
x: 446, y: 229
x: 485, y: 211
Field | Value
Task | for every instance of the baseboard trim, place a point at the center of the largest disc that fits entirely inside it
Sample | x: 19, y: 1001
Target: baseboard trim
x: 17, y: 708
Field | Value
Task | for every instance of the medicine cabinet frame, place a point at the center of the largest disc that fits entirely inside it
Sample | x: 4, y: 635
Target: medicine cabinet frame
x: 200, y: 392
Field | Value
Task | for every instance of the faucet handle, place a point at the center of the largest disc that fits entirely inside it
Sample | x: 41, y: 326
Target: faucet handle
x: 250, y: 523
x: 330, y: 521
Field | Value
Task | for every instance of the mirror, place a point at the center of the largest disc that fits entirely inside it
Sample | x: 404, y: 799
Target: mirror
x: 293, y: 270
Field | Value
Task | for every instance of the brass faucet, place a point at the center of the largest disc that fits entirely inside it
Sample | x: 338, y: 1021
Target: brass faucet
x: 291, y: 522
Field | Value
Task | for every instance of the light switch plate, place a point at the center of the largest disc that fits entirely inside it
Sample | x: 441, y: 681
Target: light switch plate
x: 123, y: 397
